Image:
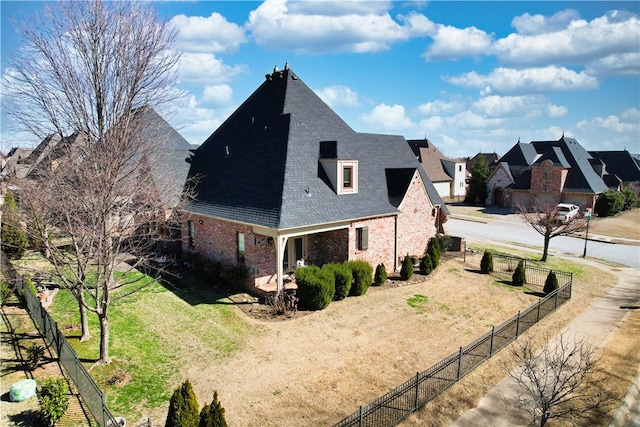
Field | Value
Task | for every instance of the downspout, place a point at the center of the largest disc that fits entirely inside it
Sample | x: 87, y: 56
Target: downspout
x: 395, y: 244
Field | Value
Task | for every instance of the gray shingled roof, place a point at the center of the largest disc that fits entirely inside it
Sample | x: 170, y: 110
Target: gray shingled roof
x: 554, y: 154
x: 261, y: 166
x: 620, y: 163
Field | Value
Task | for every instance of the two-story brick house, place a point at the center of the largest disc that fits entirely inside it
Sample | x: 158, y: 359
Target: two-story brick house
x: 285, y: 182
x: 545, y: 173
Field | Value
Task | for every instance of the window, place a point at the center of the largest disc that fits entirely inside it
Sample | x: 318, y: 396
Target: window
x: 241, y: 250
x: 459, y: 168
x: 192, y: 233
x: 347, y: 177
x: 362, y: 237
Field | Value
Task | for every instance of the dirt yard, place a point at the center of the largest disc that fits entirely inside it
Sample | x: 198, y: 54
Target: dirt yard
x: 319, y: 367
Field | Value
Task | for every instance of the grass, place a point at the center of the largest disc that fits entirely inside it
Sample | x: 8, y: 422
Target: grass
x: 623, y: 225
x: 146, y: 361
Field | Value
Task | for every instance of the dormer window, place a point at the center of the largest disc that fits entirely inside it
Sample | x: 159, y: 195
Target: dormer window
x: 347, y: 176
x: 343, y: 174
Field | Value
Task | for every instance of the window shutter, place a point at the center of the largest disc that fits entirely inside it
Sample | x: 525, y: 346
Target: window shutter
x: 362, y: 235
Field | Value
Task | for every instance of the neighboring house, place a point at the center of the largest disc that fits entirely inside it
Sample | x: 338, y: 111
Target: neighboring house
x: 545, y: 173
x: 285, y: 182
x: 492, y: 160
x: 14, y: 163
x: 622, y: 165
x: 447, y: 175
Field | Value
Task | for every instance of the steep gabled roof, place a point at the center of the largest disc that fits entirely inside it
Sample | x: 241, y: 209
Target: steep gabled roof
x: 262, y: 165
x: 554, y: 154
x: 431, y: 159
x: 520, y: 155
x: 621, y: 163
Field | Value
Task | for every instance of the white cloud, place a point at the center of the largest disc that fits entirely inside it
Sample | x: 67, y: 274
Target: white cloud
x: 208, y: 34
x: 556, y: 111
x: 530, y: 80
x: 339, y: 96
x: 440, y: 107
x: 390, y: 118
x: 517, y: 106
x: 611, y: 123
x: 206, y: 68
x: 578, y: 42
x: 537, y: 24
x: 453, y: 43
x: 319, y: 27
x: 216, y: 95
x: 625, y: 64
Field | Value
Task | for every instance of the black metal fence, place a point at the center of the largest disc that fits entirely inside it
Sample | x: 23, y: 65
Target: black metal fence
x: 400, y: 402
x: 89, y: 392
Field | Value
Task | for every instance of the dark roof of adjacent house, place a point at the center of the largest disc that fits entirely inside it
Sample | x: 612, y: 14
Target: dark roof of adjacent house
x: 621, y: 163
x: 566, y: 153
x: 262, y: 165
x: 492, y: 160
x: 431, y: 159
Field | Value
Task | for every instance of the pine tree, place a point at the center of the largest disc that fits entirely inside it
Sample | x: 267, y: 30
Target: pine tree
x: 407, y: 268
x: 426, y: 265
x: 13, y: 237
x: 477, y: 189
x: 213, y: 415
x: 551, y: 284
x: 381, y: 274
x: 434, y: 251
x: 183, y: 407
x: 486, y: 264
x: 519, y: 277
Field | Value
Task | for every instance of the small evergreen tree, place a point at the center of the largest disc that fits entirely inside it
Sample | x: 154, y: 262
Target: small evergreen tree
x: 12, y: 236
x: 362, y: 273
x: 551, y: 284
x: 477, y: 188
x: 609, y: 203
x: 184, y: 410
x: 426, y: 265
x: 213, y: 415
x: 434, y: 251
x: 519, y: 277
x: 407, y: 268
x: 630, y: 198
x: 381, y: 275
x: 486, y: 264
x: 343, y: 279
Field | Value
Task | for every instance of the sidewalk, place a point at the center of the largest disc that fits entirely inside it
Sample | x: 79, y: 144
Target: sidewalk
x: 594, y: 324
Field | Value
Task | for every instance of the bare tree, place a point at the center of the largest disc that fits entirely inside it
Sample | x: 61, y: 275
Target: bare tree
x: 89, y: 69
x: 545, y: 221
x: 563, y: 379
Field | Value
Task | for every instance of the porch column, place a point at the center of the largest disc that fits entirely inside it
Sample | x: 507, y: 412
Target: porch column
x: 281, y: 243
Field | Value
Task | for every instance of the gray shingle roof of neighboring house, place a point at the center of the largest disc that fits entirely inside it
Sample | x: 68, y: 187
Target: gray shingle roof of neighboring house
x: 520, y: 154
x: 555, y: 156
x: 620, y: 163
x: 262, y: 165
x: 431, y: 159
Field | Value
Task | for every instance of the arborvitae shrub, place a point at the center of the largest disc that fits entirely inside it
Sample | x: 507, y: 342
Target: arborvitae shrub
x: 213, y: 415
x: 406, y: 272
x: 362, y: 273
x: 519, y: 277
x: 609, y: 203
x: 551, y: 284
x: 12, y: 237
x: 426, y: 265
x: 630, y: 198
x: 343, y: 278
x: 316, y: 287
x: 434, y: 251
x: 184, y: 410
x: 381, y: 275
x: 486, y: 264
x: 53, y: 397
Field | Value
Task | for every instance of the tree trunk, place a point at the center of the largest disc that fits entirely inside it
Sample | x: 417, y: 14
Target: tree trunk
x: 545, y: 252
x: 104, y: 338
x: 84, y: 320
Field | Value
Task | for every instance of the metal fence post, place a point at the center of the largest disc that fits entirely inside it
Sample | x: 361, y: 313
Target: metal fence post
x: 518, y: 325
x: 459, y: 363
x: 538, y: 316
x: 415, y: 406
x: 491, y: 342
x: 556, y: 301
x: 361, y: 423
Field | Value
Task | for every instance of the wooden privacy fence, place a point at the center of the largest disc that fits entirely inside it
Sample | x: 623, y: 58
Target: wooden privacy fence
x: 87, y: 388
x: 399, y: 403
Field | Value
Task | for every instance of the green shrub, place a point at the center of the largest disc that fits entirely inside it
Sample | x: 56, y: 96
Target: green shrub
x: 630, y: 198
x: 551, y: 284
x: 519, y: 277
x: 406, y: 271
x: 342, y: 278
x: 13, y: 239
x: 445, y: 243
x: 486, y: 264
x: 31, y: 286
x: 609, y: 203
x: 35, y: 353
x: 213, y: 415
x: 53, y: 398
x: 5, y: 292
x: 235, y: 274
x: 316, y: 287
x: 381, y: 275
x: 362, y: 273
x: 434, y: 251
x: 184, y: 410
x: 426, y: 265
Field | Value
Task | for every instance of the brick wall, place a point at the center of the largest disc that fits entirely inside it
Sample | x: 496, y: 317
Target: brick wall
x: 547, y: 179
x: 381, y: 247
x: 416, y: 222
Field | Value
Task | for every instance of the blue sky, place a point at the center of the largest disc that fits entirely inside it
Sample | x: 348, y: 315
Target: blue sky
x: 470, y: 76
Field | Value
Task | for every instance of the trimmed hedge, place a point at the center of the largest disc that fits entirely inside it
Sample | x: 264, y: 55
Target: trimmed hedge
x: 316, y: 287
x: 362, y: 273
x: 343, y: 278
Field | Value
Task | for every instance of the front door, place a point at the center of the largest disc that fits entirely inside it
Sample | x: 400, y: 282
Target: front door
x: 294, y: 253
